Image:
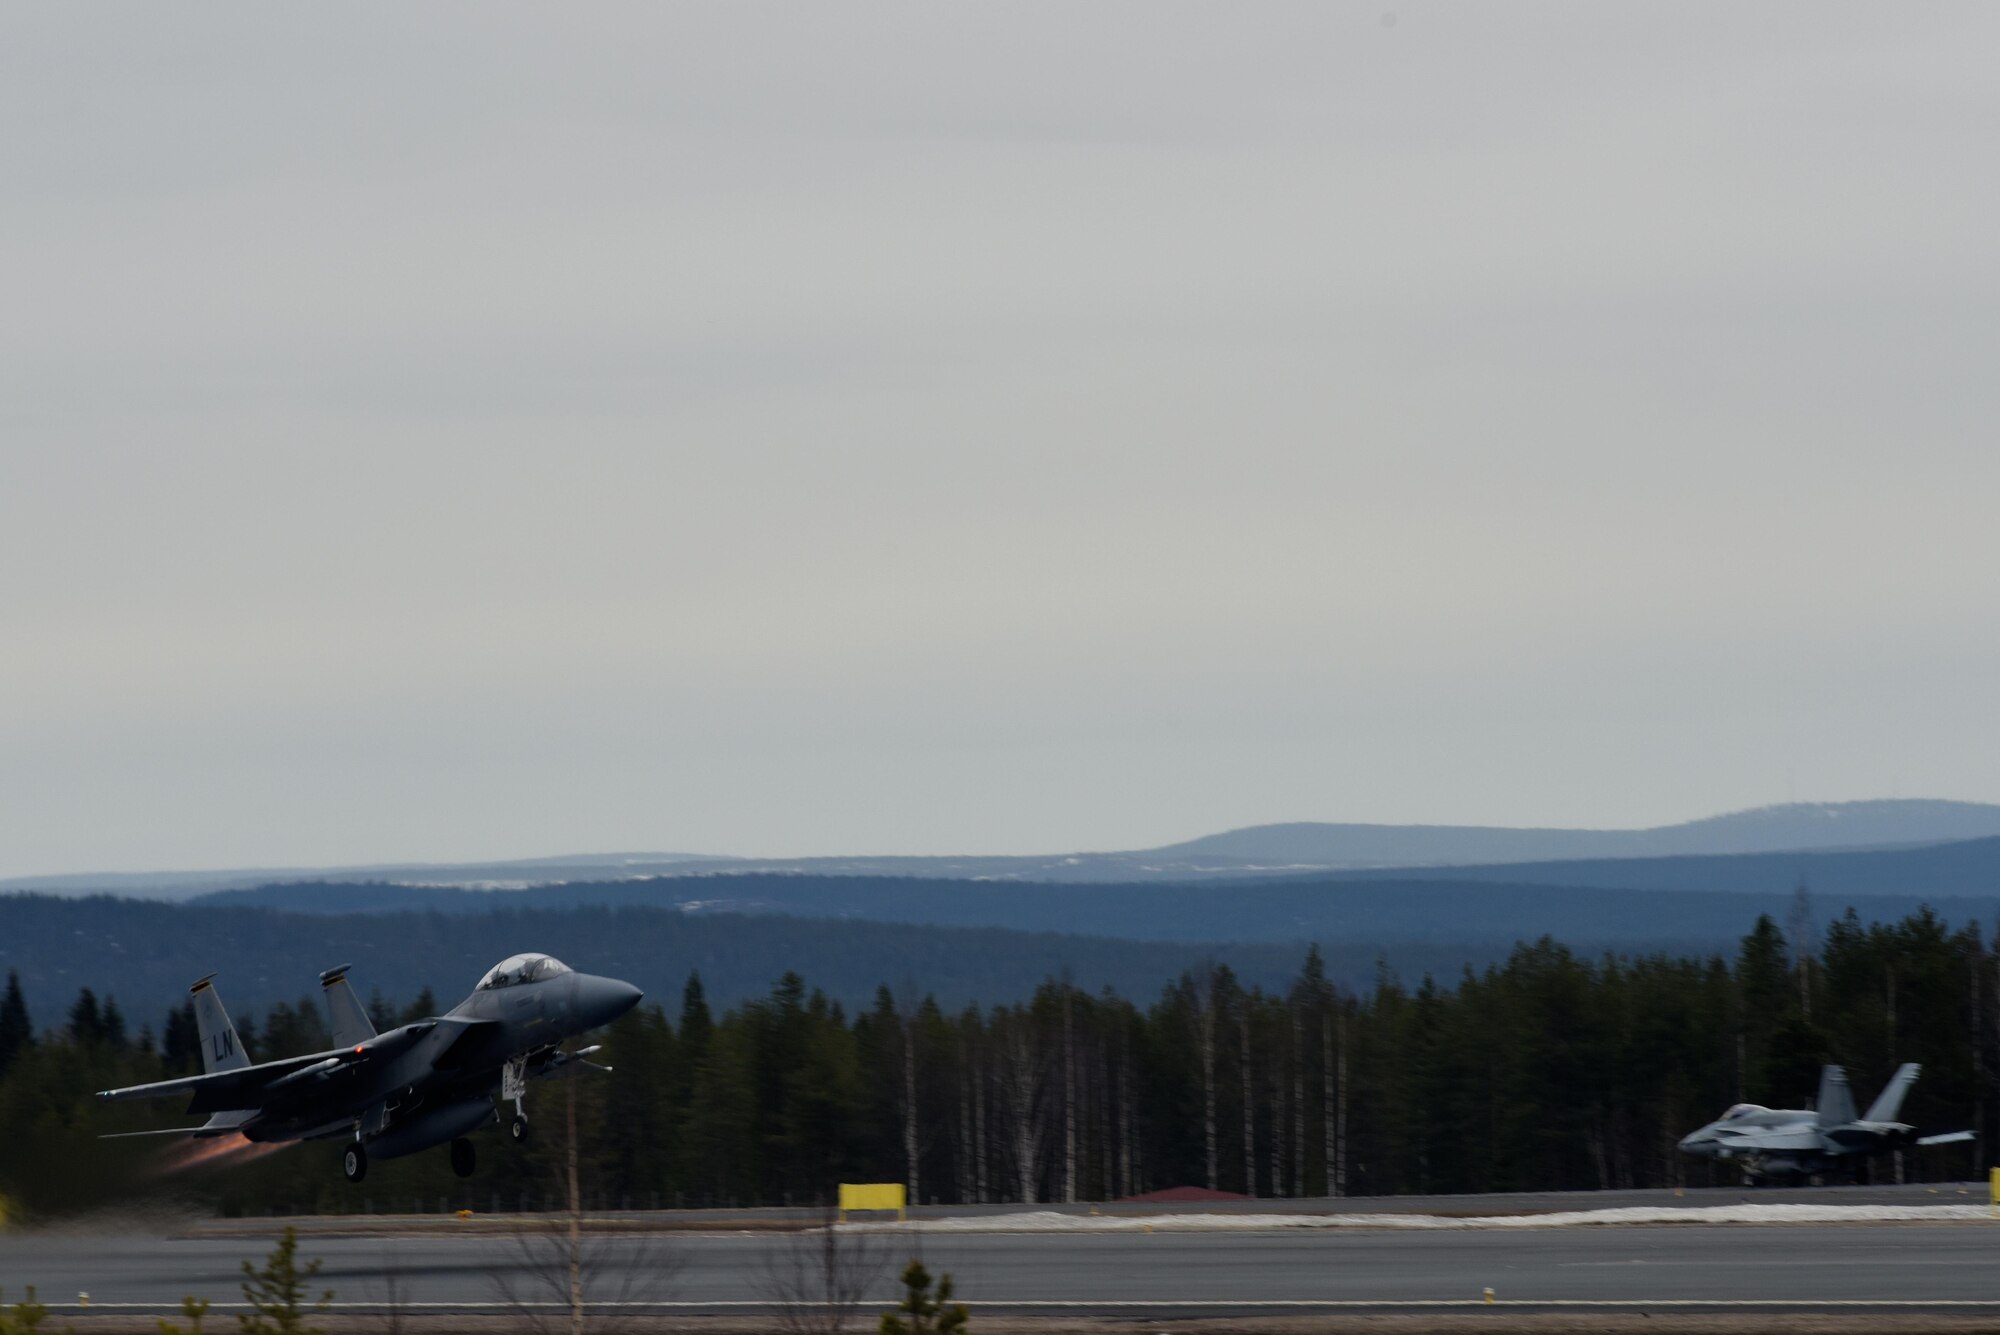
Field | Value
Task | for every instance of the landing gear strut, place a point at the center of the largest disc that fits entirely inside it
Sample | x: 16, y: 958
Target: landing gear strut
x: 463, y: 1157
x: 514, y: 1085
x: 354, y: 1162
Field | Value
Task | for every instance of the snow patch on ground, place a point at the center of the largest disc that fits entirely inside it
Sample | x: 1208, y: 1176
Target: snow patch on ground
x: 1050, y: 1221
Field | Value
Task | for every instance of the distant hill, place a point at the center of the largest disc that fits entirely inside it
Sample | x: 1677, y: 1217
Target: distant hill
x: 513, y: 874
x: 1814, y: 826
x: 1257, y: 850
x: 1968, y: 868
x: 1368, y: 914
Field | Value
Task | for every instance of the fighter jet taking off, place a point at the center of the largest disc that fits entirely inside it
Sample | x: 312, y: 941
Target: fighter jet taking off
x: 1797, y: 1143
x: 413, y: 1087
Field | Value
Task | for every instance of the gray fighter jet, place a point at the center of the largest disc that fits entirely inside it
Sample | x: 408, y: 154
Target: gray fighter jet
x: 1799, y: 1143
x: 413, y: 1087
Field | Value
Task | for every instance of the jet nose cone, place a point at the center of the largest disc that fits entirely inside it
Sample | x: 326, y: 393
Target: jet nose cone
x: 599, y: 1001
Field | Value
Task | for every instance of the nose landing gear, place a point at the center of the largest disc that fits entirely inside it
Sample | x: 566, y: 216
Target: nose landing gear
x: 514, y: 1085
x: 354, y: 1161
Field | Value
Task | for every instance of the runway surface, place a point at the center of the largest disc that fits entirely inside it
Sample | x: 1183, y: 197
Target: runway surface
x: 1522, y: 1202
x: 1916, y: 1266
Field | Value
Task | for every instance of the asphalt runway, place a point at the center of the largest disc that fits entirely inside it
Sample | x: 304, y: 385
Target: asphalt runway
x: 1919, y: 1267
x: 1525, y: 1202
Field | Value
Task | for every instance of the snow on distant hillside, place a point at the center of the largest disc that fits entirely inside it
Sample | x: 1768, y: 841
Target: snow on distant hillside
x: 1274, y: 849
x: 1791, y: 827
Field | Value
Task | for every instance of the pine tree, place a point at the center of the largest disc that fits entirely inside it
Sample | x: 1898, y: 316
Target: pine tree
x: 696, y: 1022
x: 926, y: 1315
x: 86, y: 1021
x: 294, y: 1029
x: 638, y: 1132
x: 423, y: 1008
x: 180, y: 1041
x: 112, y: 1022
x: 722, y: 1157
x: 16, y: 1033
x: 1767, y: 998
x: 24, y: 1317
x: 248, y: 1040
x: 194, y: 1309
x: 277, y: 1292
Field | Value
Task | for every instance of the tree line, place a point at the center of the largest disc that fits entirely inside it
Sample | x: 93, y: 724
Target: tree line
x: 1548, y: 1071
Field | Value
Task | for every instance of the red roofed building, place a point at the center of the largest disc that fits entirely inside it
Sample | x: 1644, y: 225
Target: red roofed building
x: 1173, y: 1194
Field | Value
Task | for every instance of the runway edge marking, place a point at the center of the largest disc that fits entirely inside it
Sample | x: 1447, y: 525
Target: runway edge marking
x: 1203, y: 1304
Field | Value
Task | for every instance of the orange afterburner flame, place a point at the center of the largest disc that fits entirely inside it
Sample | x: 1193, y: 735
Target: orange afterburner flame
x: 221, y: 1152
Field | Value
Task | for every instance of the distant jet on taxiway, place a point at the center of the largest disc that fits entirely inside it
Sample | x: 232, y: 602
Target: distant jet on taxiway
x: 1798, y: 1143
x: 413, y: 1087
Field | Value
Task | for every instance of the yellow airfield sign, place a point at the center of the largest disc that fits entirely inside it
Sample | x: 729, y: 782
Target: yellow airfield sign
x: 890, y: 1196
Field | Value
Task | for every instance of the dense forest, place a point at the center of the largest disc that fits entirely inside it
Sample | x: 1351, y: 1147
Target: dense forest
x: 1547, y: 1071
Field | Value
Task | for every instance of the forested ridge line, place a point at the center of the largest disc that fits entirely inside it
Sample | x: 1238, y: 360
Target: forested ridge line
x: 1548, y: 1071
x: 968, y: 942
x: 148, y: 952
x: 1640, y: 903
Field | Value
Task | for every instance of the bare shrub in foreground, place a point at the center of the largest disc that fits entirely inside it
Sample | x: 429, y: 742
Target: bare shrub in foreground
x: 816, y: 1278
x: 556, y: 1274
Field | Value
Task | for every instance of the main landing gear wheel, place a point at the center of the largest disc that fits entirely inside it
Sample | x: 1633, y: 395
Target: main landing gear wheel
x: 463, y: 1157
x: 517, y: 1130
x: 354, y: 1162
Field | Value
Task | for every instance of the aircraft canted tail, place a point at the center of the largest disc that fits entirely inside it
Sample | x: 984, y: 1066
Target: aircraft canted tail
x: 221, y: 1050
x: 351, y: 1025
x: 1836, y: 1098
x: 1890, y: 1101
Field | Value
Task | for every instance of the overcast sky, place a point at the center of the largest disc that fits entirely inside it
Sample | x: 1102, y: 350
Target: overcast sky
x: 441, y: 432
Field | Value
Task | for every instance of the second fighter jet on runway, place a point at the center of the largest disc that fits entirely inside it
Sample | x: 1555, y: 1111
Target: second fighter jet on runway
x: 1798, y: 1143
x: 413, y: 1087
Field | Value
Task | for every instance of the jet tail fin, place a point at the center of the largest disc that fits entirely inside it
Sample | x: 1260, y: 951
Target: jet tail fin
x: 351, y: 1024
x: 221, y: 1050
x: 1836, y: 1099
x: 1890, y: 1101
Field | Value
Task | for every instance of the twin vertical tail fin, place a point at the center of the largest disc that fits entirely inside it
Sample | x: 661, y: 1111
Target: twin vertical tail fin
x: 221, y: 1050
x: 351, y: 1025
x: 1889, y: 1102
x: 1836, y: 1098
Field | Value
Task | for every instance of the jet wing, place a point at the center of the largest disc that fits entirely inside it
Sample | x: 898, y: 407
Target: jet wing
x: 244, y: 1087
x: 1776, y: 1139
x: 1948, y: 1138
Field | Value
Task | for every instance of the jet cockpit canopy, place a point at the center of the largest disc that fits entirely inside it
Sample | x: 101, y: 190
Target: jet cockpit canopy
x: 1743, y: 1110
x: 522, y: 969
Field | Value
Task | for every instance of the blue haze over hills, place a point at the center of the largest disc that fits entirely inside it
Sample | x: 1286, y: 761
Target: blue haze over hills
x: 1802, y: 825
x: 849, y: 925
x: 145, y: 952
